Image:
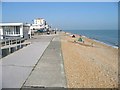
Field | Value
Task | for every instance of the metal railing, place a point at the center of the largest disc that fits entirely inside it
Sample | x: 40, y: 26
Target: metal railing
x: 11, y: 41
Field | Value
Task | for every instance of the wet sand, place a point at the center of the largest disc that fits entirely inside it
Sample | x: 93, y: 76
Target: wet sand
x: 87, y: 66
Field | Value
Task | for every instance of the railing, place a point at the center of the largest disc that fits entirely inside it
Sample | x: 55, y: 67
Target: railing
x: 9, y: 44
x: 11, y: 41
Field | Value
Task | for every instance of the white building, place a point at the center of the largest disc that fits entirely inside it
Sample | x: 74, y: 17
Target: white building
x: 36, y: 27
x: 39, y: 24
x: 14, y: 30
x: 39, y: 21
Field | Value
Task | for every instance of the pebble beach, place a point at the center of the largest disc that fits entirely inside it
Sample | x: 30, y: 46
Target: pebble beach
x: 87, y: 65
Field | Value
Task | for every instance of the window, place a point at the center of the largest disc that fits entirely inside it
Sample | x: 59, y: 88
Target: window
x: 7, y: 30
x: 11, y: 30
x: 17, y: 29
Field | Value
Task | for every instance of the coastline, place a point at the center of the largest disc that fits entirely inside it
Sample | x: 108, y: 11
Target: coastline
x: 109, y: 45
x: 106, y: 44
x: 87, y: 66
x: 96, y: 40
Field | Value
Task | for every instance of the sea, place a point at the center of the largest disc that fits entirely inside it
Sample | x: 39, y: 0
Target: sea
x: 109, y: 37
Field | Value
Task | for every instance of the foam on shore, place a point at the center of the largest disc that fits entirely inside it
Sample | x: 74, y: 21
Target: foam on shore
x: 94, y: 40
x: 105, y: 43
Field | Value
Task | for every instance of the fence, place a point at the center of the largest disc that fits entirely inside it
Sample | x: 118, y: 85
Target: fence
x: 12, y: 44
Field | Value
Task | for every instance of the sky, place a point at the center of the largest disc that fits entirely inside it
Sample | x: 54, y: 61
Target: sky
x: 60, y: 0
x: 64, y: 15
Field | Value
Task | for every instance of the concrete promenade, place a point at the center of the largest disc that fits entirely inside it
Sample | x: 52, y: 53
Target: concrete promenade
x: 49, y: 71
x: 39, y: 64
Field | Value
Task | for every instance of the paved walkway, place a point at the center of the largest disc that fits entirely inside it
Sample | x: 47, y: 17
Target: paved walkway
x: 49, y: 71
x: 39, y: 64
x: 17, y: 66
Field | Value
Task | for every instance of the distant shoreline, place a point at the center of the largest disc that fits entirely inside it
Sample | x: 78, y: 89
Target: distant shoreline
x: 113, y: 46
x: 106, y: 44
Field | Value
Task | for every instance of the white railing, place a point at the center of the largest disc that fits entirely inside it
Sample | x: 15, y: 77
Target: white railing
x: 16, y: 43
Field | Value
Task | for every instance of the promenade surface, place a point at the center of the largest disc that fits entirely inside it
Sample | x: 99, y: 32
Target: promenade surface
x: 49, y: 71
x: 35, y: 65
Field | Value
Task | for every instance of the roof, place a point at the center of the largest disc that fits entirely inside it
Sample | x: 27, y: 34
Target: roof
x: 13, y: 24
x: 39, y: 18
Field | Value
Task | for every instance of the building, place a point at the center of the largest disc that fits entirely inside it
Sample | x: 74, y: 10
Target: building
x: 39, y: 21
x: 8, y: 30
x: 39, y: 24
